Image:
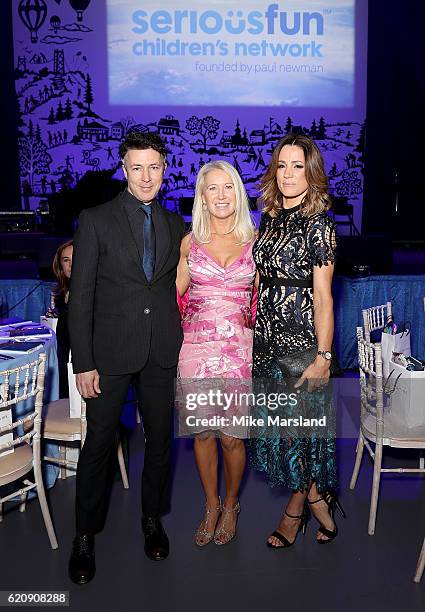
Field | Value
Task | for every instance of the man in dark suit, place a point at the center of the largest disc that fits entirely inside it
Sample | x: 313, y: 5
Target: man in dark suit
x: 124, y: 322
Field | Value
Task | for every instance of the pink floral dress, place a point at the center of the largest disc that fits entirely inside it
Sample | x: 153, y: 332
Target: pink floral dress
x: 217, y: 321
x: 218, y: 336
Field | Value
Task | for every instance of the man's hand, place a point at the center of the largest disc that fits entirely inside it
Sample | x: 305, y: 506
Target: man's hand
x: 88, y: 384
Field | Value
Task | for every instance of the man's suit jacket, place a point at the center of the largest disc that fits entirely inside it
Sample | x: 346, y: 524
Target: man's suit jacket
x: 117, y: 318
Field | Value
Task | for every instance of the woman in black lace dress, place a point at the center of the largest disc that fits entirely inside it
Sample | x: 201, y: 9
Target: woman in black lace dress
x: 295, y: 254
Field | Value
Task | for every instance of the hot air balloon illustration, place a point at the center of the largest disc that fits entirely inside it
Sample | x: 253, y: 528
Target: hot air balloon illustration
x: 79, y: 6
x: 32, y: 14
x: 55, y: 23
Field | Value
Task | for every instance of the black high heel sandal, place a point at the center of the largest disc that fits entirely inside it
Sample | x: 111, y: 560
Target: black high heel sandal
x: 332, y: 503
x: 282, y: 539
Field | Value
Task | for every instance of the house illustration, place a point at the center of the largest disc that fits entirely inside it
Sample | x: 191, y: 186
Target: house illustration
x: 257, y: 137
x: 226, y: 140
x: 92, y: 131
x: 169, y: 126
x: 116, y: 131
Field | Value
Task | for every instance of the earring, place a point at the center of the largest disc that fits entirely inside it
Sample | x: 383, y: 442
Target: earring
x: 204, y: 206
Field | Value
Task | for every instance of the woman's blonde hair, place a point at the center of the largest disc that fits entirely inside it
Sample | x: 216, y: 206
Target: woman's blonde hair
x: 201, y: 224
x: 317, y: 198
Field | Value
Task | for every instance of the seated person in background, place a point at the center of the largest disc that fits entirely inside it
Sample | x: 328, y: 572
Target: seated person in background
x: 62, y: 265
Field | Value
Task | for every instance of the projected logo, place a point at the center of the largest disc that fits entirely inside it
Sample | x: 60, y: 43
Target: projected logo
x: 239, y: 53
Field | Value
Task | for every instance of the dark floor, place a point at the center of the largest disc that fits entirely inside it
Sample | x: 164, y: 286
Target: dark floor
x: 355, y: 572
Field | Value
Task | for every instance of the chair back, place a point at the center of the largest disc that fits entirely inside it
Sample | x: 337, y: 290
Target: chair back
x: 21, y: 391
x: 375, y: 318
x: 371, y: 377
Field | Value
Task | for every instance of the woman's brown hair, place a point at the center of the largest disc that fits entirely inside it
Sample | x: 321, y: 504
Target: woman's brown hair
x: 62, y: 287
x: 317, y: 198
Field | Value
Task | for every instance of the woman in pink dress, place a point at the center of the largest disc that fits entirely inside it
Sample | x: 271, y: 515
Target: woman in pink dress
x: 217, y: 270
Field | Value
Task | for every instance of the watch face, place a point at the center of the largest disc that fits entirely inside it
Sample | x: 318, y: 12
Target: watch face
x: 328, y: 355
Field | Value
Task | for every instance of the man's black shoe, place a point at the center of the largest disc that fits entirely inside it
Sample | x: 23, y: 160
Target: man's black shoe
x: 157, y: 545
x: 82, y: 566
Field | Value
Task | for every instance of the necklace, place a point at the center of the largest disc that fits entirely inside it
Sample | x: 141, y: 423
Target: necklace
x: 225, y: 233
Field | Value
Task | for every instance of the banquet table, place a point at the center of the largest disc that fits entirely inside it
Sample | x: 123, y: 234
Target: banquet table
x: 351, y: 295
x: 30, y: 299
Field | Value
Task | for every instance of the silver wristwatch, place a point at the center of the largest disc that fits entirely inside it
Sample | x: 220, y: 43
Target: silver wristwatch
x: 325, y: 354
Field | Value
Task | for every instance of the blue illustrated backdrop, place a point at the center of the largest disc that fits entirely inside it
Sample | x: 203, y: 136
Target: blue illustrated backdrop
x: 81, y: 85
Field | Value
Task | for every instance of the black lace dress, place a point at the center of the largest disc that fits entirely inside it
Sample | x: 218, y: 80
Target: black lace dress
x: 288, y: 246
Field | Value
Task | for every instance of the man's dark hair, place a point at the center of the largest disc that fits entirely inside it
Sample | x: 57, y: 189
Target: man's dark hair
x: 143, y: 140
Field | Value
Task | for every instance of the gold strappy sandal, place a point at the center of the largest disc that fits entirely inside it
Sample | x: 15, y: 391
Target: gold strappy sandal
x: 202, y: 535
x: 222, y: 535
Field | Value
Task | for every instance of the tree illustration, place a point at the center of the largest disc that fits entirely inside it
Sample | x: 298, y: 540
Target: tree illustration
x: 313, y: 129
x: 207, y: 127
x: 33, y: 157
x: 334, y: 170
x: 51, y: 120
x: 20, y: 123
x: 360, y: 148
x: 59, y: 112
x: 30, y: 129
x: 321, y: 131
x: 350, y: 185
x: 38, y: 133
x: 288, y: 126
x: 127, y: 123
x: 88, y: 93
x: 68, y: 109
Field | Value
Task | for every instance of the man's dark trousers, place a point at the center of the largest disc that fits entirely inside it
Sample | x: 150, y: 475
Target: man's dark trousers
x: 156, y: 386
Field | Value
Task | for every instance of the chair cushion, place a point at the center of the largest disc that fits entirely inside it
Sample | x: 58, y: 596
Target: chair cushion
x: 56, y: 420
x: 395, y: 433
x: 16, y: 464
